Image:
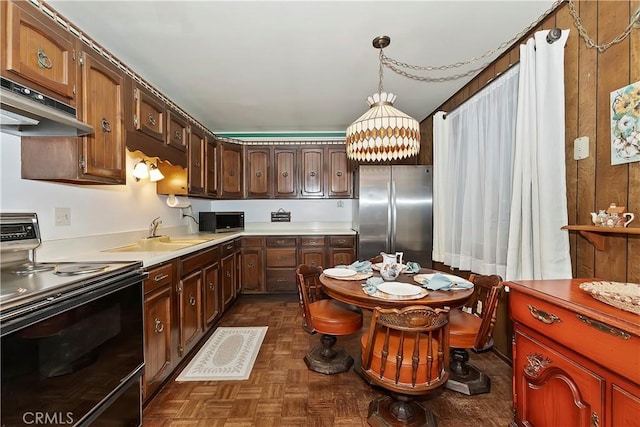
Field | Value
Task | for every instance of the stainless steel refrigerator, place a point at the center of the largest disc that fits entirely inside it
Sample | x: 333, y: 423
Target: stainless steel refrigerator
x: 392, y: 212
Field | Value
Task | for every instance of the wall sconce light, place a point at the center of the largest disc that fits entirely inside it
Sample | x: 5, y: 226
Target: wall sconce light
x: 142, y: 170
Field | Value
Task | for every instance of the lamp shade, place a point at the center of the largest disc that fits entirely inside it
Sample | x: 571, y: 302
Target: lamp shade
x: 154, y: 173
x: 383, y: 132
x: 141, y: 170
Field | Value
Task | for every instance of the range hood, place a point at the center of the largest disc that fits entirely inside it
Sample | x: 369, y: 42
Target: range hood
x: 26, y: 112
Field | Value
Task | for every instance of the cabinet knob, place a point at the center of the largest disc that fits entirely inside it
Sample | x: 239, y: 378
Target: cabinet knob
x: 339, y: 173
x: 250, y: 265
x: 43, y: 60
x: 106, y: 127
x: 258, y: 174
x: 192, y: 300
x: 151, y: 119
x: 228, y: 274
x: 285, y: 174
x: 159, y: 326
x: 231, y: 172
x: 211, y: 286
x: 197, y: 164
x: 177, y: 135
x: 312, y: 173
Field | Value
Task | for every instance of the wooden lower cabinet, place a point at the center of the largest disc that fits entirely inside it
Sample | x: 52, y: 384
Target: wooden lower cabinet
x: 212, y: 306
x: 252, y: 265
x: 190, y: 311
x: 576, y: 360
x: 228, y: 271
x: 282, y: 260
x: 342, y: 250
x: 158, y: 326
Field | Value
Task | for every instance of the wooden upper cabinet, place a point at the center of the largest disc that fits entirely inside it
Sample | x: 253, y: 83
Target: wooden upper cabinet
x: 339, y: 173
x: 286, y: 172
x: 148, y: 113
x: 177, y: 130
x: 312, y: 180
x: 211, y: 168
x: 37, y: 52
x: 196, y: 165
x: 258, y: 161
x: 231, y: 182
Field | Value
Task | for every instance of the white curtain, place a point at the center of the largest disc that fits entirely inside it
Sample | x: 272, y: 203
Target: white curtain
x: 538, y: 248
x: 472, y: 178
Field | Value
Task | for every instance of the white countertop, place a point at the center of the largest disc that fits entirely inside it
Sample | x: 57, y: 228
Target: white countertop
x: 97, y: 248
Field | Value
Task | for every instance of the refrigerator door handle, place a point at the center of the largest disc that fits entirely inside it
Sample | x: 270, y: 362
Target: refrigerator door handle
x: 392, y: 219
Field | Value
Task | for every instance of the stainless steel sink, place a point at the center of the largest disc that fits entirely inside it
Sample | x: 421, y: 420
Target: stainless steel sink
x: 158, y: 244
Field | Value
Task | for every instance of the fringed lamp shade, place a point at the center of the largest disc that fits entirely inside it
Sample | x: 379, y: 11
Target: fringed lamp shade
x: 383, y: 132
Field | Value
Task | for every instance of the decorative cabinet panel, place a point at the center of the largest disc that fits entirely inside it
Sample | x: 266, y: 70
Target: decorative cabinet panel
x: 196, y: 166
x: 231, y: 182
x: 37, y: 52
x: 212, y: 307
x: 190, y: 311
x: 211, y: 168
x: 258, y: 178
x: 312, y: 181
x: 148, y: 113
x: 177, y: 130
x: 98, y: 158
x: 339, y: 173
x: 228, y: 274
x: 576, y: 360
x: 286, y: 172
x: 252, y: 265
x: 158, y: 326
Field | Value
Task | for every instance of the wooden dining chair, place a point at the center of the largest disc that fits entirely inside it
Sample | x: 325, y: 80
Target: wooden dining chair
x: 405, y: 351
x: 328, y: 317
x: 471, y: 327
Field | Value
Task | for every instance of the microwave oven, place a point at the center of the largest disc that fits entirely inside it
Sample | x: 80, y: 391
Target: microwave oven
x: 221, y: 222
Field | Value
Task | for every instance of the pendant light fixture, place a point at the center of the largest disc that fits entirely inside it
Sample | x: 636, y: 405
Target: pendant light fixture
x: 384, y: 132
x: 144, y: 169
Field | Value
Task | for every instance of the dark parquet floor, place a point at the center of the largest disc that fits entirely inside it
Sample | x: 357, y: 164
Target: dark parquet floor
x: 281, y: 391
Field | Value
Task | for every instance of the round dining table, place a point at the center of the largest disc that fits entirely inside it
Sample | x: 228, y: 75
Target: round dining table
x: 352, y: 292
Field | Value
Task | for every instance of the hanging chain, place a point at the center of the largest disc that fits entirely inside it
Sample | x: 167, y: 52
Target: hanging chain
x: 380, y: 75
x: 396, y: 66
x: 635, y: 20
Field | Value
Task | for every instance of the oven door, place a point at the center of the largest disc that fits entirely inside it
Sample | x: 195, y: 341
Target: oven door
x: 66, y: 363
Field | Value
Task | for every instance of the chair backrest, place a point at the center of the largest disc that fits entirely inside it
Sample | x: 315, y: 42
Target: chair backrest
x: 309, y: 291
x: 407, y: 350
x: 484, y: 303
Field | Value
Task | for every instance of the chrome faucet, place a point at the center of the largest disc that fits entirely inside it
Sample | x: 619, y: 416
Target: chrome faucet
x: 153, y: 227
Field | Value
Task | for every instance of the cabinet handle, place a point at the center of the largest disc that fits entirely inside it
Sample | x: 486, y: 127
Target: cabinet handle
x: 313, y: 264
x: 339, y: 173
x: 211, y: 286
x: 151, y: 119
x: 231, y: 172
x: 535, y: 363
x: 159, y: 277
x: 43, y: 60
x: 280, y: 258
x: 258, y: 174
x: 229, y: 246
x: 228, y: 274
x: 177, y: 135
x: 250, y: 265
x: 312, y: 174
x: 285, y: 174
x: 280, y: 242
x: 159, y: 327
x: 595, y: 420
x: 281, y: 280
x: 192, y: 300
x: 602, y: 327
x: 106, y: 127
x: 197, y: 164
x: 543, y: 316
x: 342, y: 242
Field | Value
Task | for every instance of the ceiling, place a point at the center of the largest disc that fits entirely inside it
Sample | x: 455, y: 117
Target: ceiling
x: 243, y: 68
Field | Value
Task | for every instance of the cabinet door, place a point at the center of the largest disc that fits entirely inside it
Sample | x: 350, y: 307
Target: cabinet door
x: 312, y: 172
x: 340, y: 256
x: 258, y: 173
x: 190, y: 311
x: 102, y: 106
x: 286, y: 172
x: 314, y: 257
x: 231, y: 170
x: 195, y: 167
x: 228, y: 269
x: 211, y: 168
x: 157, y: 338
x: 211, y: 292
x: 177, y: 130
x: 252, y: 270
x: 552, y: 388
x: 149, y: 113
x: 37, y: 52
x: 339, y: 174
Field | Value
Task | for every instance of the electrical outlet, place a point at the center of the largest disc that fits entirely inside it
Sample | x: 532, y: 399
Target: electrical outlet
x: 581, y: 148
x: 63, y: 216
x: 340, y: 204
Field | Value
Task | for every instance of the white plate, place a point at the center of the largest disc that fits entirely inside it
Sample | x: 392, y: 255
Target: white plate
x: 399, y: 288
x: 454, y: 279
x: 339, y: 272
x: 377, y: 266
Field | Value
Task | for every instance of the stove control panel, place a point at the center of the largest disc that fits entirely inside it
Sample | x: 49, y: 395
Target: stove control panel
x: 19, y: 231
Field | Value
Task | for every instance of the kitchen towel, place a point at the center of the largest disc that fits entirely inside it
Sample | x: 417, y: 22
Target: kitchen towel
x: 440, y: 282
x: 359, y: 266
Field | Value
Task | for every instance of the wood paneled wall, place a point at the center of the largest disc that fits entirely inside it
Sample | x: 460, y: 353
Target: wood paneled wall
x: 590, y: 77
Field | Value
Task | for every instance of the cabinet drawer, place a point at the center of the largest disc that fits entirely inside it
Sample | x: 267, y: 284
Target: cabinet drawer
x: 227, y: 248
x: 281, y: 241
x: 158, y: 276
x: 251, y: 241
x: 545, y: 374
x: 281, y: 258
x: 281, y: 281
x: 312, y: 241
x: 579, y: 333
x: 342, y: 241
x: 198, y: 260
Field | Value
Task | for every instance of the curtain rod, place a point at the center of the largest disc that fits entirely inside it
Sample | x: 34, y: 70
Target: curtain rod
x: 552, y: 36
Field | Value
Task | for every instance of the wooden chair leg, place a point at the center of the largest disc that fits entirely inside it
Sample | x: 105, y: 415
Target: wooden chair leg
x: 328, y: 359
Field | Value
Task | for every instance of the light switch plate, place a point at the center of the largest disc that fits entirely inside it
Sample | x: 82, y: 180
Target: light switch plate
x: 581, y: 148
